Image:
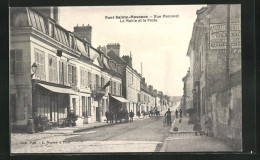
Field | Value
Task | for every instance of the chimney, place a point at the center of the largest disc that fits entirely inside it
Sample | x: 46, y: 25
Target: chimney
x: 84, y: 32
x: 115, y: 47
x: 103, y: 49
x: 128, y: 60
x: 150, y: 88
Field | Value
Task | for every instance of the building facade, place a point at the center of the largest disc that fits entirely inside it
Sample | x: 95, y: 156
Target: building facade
x: 69, y: 75
x: 215, y: 71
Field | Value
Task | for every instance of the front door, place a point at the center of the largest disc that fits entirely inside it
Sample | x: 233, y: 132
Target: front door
x: 97, y: 114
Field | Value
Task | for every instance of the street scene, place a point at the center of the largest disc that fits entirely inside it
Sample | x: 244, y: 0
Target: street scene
x: 125, y: 79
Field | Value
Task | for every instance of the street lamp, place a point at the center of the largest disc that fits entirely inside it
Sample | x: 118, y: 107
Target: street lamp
x: 34, y: 69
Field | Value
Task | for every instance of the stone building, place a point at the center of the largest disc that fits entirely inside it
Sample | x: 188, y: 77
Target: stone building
x: 53, y: 71
x: 215, y: 71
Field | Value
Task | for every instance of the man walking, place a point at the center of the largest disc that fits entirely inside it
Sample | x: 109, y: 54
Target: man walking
x: 180, y: 113
x: 176, y: 113
x: 107, y: 115
x: 131, y: 116
x: 168, y: 117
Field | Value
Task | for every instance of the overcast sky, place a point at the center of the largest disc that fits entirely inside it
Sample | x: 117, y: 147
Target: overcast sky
x: 161, y: 46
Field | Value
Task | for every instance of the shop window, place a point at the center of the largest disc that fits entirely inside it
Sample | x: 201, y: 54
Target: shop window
x: 16, y: 61
x: 40, y: 62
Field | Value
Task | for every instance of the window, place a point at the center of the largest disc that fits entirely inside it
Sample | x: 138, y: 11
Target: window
x: 63, y: 72
x: 72, y: 45
x: 84, y: 109
x: 40, y: 62
x: 72, y: 74
x: 102, y: 82
x: 16, y: 61
x: 82, y: 76
x: 53, y: 69
x: 89, y: 79
x: 89, y: 106
x: 97, y: 81
x: 51, y: 29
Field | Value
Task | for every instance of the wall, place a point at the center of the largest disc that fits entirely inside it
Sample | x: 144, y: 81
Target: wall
x: 227, y: 116
x: 20, y: 84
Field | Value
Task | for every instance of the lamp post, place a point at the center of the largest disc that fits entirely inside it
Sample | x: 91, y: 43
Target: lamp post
x: 30, y: 122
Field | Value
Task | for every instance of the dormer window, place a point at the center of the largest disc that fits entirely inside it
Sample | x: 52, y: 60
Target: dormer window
x: 72, y: 41
x: 51, y: 29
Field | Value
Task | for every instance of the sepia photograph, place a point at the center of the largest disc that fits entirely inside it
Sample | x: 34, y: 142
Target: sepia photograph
x: 119, y: 79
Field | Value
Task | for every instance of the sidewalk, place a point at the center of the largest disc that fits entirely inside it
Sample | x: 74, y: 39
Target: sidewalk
x: 183, y: 127
x: 185, y: 140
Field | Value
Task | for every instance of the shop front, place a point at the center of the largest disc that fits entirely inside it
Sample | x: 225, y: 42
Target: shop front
x: 51, y: 101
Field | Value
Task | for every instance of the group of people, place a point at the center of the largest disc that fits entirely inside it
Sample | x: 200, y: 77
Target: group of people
x: 168, y: 116
x: 111, y: 116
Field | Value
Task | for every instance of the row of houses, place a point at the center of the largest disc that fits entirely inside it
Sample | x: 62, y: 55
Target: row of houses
x: 212, y: 85
x: 54, y: 71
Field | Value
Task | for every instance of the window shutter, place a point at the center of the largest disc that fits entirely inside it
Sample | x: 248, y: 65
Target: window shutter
x: 69, y: 73
x: 65, y: 72
x: 18, y: 61
x: 37, y: 74
x: 60, y: 73
x: 86, y: 78
x: 76, y: 76
x: 55, y: 70
x: 12, y: 61
x: 50, y: 69
x: 42, y: 69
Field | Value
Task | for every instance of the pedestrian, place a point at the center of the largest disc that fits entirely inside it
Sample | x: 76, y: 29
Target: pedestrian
x: 197, y: 127
x: 138, y: 114
x: 176, y: 113
x: 180, y: 113
x: 107, y: 115
x: 168, y: 117
x: 111, y: 117
x: 131, y: 116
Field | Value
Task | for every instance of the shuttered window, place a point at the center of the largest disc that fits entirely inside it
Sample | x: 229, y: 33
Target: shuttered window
x: 16, y: 61
x: 40, y: 62
x: 53, y: 69
x: 63, y: 72
x: 89, y: 79
x: 82, y: 76
x: 69, y: 73
x: 72, y: 74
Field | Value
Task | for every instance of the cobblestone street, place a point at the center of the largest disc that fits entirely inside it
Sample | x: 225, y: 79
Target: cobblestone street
x: 143, y: 135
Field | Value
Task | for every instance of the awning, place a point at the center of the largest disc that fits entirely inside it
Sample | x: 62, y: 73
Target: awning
x: 58, y: 89
x: 120, y: 99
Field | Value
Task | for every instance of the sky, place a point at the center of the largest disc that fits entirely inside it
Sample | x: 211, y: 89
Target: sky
x: 160, y: 44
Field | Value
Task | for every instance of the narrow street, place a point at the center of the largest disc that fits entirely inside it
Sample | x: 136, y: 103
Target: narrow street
x: 144, y: 135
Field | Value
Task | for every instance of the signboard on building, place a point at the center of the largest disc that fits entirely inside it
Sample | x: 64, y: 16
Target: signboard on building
x: 218, y: 36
